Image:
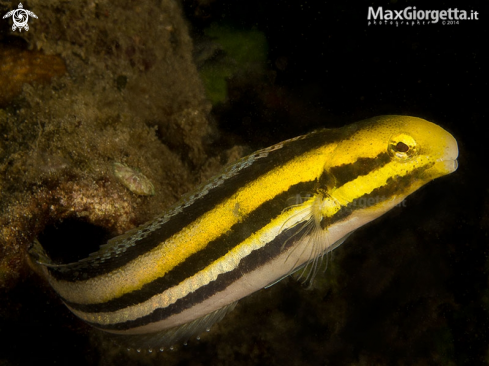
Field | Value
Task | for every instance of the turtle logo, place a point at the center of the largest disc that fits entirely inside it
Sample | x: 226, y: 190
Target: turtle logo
x: 20, y: 17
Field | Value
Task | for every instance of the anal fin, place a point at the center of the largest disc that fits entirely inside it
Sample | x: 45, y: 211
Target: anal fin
x: 158, y: 341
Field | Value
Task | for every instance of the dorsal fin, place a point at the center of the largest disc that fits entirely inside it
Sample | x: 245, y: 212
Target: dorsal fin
x: 162, y: 340
x: 37, y: 252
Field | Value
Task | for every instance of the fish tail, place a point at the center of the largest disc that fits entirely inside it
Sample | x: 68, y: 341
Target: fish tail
x: 39, y: 255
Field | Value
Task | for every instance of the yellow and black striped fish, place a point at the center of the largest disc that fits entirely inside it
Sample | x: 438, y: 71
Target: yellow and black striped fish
x: 262, y: 218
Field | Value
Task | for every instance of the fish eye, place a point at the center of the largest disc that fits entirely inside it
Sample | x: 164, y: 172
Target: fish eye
x: 402, y: 146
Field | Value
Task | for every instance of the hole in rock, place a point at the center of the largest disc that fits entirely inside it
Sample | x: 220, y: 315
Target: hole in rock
x: 72, y: 239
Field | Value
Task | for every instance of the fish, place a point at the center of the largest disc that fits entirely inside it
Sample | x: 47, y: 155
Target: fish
x: 261, y: 219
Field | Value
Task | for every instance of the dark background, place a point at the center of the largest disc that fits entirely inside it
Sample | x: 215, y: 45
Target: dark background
x: 413, y: 286
x: 331, y: 68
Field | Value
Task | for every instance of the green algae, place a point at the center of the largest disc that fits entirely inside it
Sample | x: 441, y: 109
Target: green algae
x: 245, y: 50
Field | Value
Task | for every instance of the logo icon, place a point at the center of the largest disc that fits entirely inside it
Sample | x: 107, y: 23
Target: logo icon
x: 20, y: 17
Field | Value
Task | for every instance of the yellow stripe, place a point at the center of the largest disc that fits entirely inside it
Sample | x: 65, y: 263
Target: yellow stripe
x: 197, y: 235
x: 224, y: 264
x: 366, y: 184
x: 365, y: 140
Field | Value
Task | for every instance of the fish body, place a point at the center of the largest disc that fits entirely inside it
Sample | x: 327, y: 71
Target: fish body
x: 267, y: 215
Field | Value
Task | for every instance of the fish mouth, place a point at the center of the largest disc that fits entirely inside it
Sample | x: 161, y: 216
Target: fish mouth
x: 451, y: 154
x: 451, y: 165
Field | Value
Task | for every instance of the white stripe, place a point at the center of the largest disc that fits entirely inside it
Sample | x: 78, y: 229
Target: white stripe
x: 224, y: 264
x: 280, y: 266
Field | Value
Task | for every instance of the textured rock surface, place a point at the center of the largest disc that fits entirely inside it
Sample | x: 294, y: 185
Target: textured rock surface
x: 18, y: 66
x: 410, y: 289
x: 131, y: 95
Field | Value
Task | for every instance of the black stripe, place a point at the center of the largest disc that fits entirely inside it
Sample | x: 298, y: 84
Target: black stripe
x: 397, y: 185
x: 363, y: 166
x: 87, y: 269
x: 256, y: 259
x: 203, y: 258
